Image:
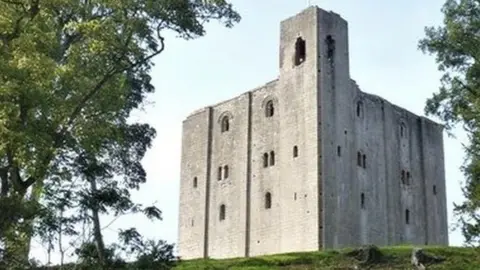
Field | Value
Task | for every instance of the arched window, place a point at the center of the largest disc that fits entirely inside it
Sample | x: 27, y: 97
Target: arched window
x: 268, y: 200
x: 295, y: 151
x: 269, y: 109
x: 407, y: 216
x: 272, y: 158
x: 359, y: 109
x: 265, y: 160
x: 195, y: 182
x: 362, y: 201
x: 219, y: 175
x: 225, y: 124
x: 225, y: 172
x: 300, y: 51
x: 403, y: 130
x: 222, y: 212
x: 359, y: 159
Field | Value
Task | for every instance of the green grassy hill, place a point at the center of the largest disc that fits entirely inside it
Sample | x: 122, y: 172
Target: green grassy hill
x: 391, y: 258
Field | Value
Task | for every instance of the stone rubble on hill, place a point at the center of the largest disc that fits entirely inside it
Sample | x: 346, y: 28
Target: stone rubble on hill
x: 420, y: 259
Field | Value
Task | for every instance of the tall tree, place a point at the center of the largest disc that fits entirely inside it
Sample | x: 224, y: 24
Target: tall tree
x: 456, y: 45
x: 71, y: 73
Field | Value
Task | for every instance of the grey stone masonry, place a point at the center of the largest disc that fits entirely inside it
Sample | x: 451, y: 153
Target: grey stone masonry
x: 309, y: 161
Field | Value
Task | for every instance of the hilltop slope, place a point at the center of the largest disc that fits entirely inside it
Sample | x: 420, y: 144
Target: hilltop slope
x: 394, y: 258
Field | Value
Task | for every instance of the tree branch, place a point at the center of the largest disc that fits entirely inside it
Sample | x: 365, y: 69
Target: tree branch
x: 14, y: 173
x: 466, y: 87
x: 77, y: 110
x: 4, y: 178
x: 32, y: 12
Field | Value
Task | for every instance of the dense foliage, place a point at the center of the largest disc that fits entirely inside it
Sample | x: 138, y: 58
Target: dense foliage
x: 71, y: 73
x: 456, y: 45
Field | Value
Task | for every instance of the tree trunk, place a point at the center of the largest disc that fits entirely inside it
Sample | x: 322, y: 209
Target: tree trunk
x: 60, y: 240
x: 97, y: 230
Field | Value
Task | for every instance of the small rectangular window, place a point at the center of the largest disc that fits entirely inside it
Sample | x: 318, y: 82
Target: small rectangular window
x: 362, y: 201
x: 272, y: 158
x: 268, y: 200
x: 225, y: 171
x: 222, y: 212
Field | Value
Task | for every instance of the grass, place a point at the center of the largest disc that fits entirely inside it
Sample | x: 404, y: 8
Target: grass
x: 395, y: 258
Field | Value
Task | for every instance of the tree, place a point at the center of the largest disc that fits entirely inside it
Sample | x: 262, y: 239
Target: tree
x: 71, y: 73
x: 456, y: 46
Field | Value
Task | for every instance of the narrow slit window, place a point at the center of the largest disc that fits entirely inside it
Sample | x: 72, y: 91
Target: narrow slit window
x: 225, y: 172
x: 434, y: 190
x: 364, y: 163
x: 195, y: 182
x: 295, y: 151
x: 269, y: 109
x: 272, y: 158
x: 359, y: 109
x: 222, y: 212
x: 268, y: 200
x: 362, y: 201
x: 339, y: 151
x: 330, y: 47
x: 295, y: 196
x: 219, y: 175
x: 408, y: 178
x: 300, y: 51
x: 407, y: 216
x: 403, y: 177
x: 265, y: 160
x: 359, y: 159
x: 402, y: 130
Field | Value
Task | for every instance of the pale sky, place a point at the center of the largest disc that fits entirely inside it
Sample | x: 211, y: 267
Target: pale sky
x: 384, y: 60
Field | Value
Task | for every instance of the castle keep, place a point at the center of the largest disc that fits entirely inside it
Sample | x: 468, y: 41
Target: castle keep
x: 308, y: 161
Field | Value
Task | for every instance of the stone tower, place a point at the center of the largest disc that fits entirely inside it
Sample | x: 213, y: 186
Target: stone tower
x: 308, y: 161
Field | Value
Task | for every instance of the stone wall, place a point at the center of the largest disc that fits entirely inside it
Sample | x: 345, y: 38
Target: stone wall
x: 346, y: 168
x: 194, y: 165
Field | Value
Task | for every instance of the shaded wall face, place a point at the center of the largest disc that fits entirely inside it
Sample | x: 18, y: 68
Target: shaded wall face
x: 395, y: 159
x: 193, y: 197
x: 335, y: 98
x: 369, y: 167
x: 363, y: 154
x: 435, y: 183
